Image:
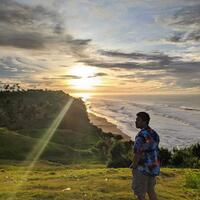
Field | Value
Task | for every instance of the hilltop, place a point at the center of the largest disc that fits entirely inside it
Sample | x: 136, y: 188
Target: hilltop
x: 25, y: 117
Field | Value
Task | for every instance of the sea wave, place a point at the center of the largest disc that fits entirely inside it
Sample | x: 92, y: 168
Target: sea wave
x: 177, y: 125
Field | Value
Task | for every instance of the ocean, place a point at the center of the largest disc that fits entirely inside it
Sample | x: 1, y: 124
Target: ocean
x: 176, y: 118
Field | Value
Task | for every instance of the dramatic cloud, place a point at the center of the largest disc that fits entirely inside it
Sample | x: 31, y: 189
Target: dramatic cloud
x: 15, y: 66
x: 160, y: 68
x: 16, y: 14
x: 27, y: 40
x: 186, y: 23
x: 175, y: 66
x: 41, y: 41
x: 154, y: 61
x: 155, y: 57
x: 36, y: 27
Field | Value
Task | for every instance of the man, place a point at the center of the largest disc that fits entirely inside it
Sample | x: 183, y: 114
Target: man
x: 146, y: 164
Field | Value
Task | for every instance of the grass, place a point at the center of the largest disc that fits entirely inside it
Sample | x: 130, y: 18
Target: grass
x: 50, y: 181
x: 193, y: 180
x: 16, y: 146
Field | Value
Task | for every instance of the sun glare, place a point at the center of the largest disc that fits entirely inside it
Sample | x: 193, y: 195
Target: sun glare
x: 85, y: 77
x: 82, y: 71
x: 83, y: 96
x: 84, y: 83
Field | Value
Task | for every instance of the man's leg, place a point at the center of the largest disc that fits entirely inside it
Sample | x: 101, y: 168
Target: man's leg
x: 151, y: 188
x: 140, y: 197
x: 139, y: 184
x: 152, y: 195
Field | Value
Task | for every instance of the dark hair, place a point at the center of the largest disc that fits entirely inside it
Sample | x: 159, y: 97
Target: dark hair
x: 144, y: 116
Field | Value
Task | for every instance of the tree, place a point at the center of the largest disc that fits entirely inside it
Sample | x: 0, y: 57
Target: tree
x: 165, y: 156
x: 118, y: 155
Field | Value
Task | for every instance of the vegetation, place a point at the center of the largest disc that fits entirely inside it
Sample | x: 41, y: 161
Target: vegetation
x: 24, y: 119
x: 185, y: 157
x: 121, y: 154
x: 50, y: 181
x: 26, y: 116
x: 193, y: 180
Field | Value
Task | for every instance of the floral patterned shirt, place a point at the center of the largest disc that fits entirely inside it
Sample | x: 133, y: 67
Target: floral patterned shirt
x: 146, y: 144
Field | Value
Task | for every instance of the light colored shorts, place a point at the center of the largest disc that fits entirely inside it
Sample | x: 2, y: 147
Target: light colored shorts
x: 142, y: 184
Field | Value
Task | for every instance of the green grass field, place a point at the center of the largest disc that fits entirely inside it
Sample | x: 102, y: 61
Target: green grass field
x: 49, y: 181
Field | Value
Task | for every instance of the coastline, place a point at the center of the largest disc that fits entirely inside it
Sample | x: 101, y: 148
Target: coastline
x: 106, y: 126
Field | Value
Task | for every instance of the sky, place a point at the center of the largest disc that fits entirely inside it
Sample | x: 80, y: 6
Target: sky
x: 99, y: 46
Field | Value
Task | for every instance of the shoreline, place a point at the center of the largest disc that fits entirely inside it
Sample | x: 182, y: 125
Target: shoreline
x: 106, y: 126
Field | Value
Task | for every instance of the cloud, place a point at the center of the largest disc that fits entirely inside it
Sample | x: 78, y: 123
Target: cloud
x: 173, y: 66
x: 17, y: 14
x: 68, y: 76
x: 27, y: 40
x: 144, y: 75
x: 18, y: 66
x: 154, y: 57
x: 100, y: 74
x: 186, y: 24
x: 37, y: 28
x: 30, y: 33
x: 187, y: 15
x: 160, y: 67
x: 153, y: 61
x: 177, y: 37
x: 62, y: 77
x: 167, y: 78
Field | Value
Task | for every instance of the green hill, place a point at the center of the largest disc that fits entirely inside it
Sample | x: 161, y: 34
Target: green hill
x: 14, y: 146
x: 36, y: 109
x: 26, y: 117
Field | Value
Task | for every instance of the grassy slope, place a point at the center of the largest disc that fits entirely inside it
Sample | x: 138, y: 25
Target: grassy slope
x: 29, y: 114
x: 91, y: 182
x: 15, y: 146
x: 77, y: 139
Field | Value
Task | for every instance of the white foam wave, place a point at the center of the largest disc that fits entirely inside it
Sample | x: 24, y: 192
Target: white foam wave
x: 177, y: 125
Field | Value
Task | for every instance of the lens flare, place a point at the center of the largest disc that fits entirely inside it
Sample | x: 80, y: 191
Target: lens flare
x: 40, y: 147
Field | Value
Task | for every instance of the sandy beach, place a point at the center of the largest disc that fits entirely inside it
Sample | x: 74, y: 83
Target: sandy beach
x: 106, y: 126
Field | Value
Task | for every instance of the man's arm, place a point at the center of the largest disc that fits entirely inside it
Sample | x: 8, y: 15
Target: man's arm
x: 136, y: 160
x: 138, y: 151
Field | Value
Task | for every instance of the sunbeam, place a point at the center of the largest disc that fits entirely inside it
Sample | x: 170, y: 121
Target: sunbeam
x: 40, y: 147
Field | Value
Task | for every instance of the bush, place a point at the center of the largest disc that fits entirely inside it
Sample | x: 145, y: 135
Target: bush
x: 187, y: 157
x: 118, y: 137
x: 102, y: 149
x: 178, y: 157
x: 192, y: 180
x: 119, y: 155
x: 196, y: 150
x: 165, y: 156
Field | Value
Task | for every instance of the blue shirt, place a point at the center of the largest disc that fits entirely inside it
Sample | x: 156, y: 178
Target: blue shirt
x: 146, y: 144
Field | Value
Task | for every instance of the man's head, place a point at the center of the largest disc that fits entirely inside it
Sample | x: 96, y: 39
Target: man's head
x: 142, y: 120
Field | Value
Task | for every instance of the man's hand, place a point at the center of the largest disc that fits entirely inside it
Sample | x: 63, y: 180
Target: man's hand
x: 131, y: 165
x: 136, y: 160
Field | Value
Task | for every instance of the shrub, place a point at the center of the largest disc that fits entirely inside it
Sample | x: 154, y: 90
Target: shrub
x: 119, y: 155
x: 179, y: 157
x: 165, y: 156
x: 192, y: 180
x: 196, y: 150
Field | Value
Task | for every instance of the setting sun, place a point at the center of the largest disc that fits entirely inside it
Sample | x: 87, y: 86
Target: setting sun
x: 84, y: 77
x: 84, y: 83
